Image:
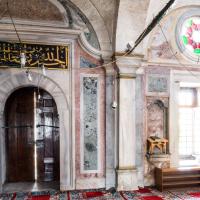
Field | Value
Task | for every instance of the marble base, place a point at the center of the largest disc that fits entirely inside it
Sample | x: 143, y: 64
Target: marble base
x: 152, y: 161
x: 110, y: 178
x: 64, y: 188
x: 90, y: 183
x: 160, y: 160
x: 127, y: 179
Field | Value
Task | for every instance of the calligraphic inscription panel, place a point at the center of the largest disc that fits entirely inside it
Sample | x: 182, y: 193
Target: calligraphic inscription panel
x: 90, y: 123
x: 52, y: 56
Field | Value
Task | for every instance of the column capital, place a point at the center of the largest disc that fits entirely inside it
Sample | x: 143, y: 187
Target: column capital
x: 128, y: 64
x: 110, y: 69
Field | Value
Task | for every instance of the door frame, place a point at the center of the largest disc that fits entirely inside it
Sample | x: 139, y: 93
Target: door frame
x: 65, y: 121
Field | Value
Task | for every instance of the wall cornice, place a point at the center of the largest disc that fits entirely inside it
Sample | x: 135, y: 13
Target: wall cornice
x: 48, y: 33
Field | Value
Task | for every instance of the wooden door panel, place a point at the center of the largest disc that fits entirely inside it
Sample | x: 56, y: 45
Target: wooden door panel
x: 56, y: 142
x: 20, y: 136
x: 48, y: 165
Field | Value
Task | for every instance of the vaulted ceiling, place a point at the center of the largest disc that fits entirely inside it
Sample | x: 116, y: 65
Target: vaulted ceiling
x: 31, y: 10
x: 108, y: 25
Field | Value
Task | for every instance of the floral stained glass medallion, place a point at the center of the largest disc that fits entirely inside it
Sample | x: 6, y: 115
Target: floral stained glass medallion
x: 190, y: 35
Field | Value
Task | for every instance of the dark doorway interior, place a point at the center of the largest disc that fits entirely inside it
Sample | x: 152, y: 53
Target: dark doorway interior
x: 32, y: 137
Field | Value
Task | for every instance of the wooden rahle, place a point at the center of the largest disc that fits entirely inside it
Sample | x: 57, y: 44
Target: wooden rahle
x: 155, y: 142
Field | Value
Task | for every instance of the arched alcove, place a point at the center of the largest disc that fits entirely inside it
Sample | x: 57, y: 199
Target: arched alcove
x: 32, y: 137
x: 157, y: 118
x: 8, y: 85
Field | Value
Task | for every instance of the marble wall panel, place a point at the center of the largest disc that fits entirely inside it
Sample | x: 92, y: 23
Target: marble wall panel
x: 157, y: 84
x: 155, y: 121
x: 90, y: 130
x: 85, y: 63
x: 157, y: 81
x: 85, y: 176
x: 140, y: 128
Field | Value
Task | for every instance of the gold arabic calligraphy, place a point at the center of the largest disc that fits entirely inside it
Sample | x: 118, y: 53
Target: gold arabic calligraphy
x: 51, y: 56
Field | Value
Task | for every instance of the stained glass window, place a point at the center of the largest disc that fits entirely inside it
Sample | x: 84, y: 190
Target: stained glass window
x: 190, y: 35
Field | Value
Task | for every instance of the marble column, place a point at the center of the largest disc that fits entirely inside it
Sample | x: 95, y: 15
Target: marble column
x: 174, y: 125
x: 110, y: 128
x: 127, y: 172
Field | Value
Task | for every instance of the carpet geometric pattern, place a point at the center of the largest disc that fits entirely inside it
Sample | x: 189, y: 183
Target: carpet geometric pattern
x: 140, y: 194
x: 153, y: 194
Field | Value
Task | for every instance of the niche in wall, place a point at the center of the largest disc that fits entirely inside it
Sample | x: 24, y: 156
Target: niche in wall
x: 157, y: 117
x: 156, y: 125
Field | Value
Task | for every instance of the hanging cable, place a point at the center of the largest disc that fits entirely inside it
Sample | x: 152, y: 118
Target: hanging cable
x: 13, y: 23
x: 151, y: 26
x: 137, y: 42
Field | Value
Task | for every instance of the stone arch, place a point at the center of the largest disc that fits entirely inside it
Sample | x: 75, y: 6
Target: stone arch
x: 97, y: 22
x: 18, y: 80
x: 60, y: 8
x: 88, y: 9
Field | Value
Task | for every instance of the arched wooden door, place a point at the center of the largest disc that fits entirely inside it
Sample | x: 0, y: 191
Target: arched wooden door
x: 32, y: 136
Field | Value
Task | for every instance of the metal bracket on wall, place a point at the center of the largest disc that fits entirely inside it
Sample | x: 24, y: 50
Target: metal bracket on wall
x: 39, y: 125
x: 24, y: 126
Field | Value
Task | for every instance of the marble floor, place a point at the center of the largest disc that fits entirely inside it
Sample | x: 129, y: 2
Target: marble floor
x: 30, y: 186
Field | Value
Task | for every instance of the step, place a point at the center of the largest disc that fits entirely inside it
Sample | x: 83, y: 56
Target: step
x: 181, y: 176
x: 181, y: 169
x: 181, y: 183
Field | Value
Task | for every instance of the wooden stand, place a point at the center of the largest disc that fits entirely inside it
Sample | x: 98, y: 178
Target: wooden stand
x: 176, y: 177
x: 154, y: 142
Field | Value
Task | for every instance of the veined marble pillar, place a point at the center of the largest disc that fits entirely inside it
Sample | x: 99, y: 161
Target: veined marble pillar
x: 110, y: 128
x: 127, y: 172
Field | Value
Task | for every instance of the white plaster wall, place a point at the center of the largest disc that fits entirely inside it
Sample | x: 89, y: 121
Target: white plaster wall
x: 130, y: 23
x: 172, y: 16
x: 97, y: 21
x: 154, y: 7
x: 107, y: 10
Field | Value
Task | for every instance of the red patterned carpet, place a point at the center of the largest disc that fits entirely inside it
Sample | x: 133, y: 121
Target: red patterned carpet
x: 141, y: 194
x: 152, y: 194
